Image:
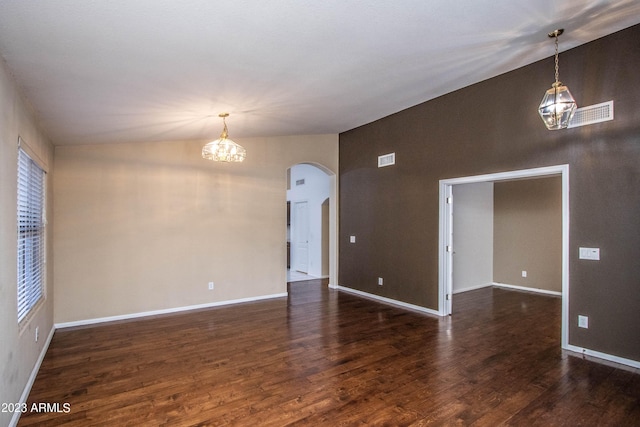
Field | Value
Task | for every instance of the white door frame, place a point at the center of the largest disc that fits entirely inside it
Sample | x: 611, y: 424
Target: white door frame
x: 446, y: 226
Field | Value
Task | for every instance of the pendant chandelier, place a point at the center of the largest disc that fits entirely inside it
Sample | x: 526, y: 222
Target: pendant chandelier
x: 557, y: 106
x: 224, y: 149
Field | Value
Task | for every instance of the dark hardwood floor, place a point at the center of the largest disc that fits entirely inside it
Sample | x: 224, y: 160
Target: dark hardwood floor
x: 329, y: 358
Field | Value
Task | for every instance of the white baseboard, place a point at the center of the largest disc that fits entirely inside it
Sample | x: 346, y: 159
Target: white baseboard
x: 604, y: 356
x: 32, y: 377
x: 165, y: 311
x: 524, y: 288
x: 472, y: 288
x: 388, y: 300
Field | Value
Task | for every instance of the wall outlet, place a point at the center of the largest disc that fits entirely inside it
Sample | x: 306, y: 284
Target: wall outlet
x: 352, y: 239
x: 211, y: 286
x: 524, y: 273
x: 380, y: 281
x: 583, y: 322
x: 37, y: 330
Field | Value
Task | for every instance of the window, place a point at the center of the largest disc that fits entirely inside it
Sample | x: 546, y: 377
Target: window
x: 31, y: 222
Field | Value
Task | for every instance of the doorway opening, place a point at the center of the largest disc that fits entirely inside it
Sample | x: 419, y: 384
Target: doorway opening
x: 446, y: 240
x: 311, y: 223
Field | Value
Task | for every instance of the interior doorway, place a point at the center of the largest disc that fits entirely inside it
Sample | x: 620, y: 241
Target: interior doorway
x: 312, y: 223
x: 446, y: 243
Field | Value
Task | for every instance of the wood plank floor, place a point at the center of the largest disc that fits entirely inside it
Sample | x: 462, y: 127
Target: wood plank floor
x: 329, y: 358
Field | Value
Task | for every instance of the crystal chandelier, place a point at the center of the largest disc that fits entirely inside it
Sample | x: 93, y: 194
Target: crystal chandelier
x: 557, y: 106
x: 224, y: 149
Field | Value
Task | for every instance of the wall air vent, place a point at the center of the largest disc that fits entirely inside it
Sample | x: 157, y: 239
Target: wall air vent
x: 300, y: 181
x: 387, y: 160
x: 592, y: 114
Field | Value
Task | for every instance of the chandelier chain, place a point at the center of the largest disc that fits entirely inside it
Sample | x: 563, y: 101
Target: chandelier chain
x: 556, y: 57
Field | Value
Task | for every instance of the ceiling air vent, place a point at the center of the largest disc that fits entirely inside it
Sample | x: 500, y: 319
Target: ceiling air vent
x: 387, y: 160
x: 592, y: 114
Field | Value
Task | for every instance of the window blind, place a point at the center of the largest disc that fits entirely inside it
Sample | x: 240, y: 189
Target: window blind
x: 31, y: 234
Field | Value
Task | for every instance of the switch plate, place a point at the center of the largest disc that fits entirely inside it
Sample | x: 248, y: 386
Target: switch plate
x: 211, y: 285
x: 524, y: 273
x: 352, y: 239
x: 590, y: 253
x: 583, y: 322
x: 380, y: 281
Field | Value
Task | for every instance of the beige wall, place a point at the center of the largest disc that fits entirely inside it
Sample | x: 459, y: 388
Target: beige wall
x: 145, y: 226
x: 19, y: 351
x: 528, y: 233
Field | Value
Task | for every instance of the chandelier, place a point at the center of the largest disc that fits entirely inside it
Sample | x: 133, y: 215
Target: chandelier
x: 557, y: 106
x: 224, y: 149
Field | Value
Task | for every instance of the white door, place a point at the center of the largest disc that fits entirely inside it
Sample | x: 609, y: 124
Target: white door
x: 301, y: 237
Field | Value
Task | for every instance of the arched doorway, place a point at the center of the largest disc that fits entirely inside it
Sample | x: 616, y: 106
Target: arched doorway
x: 311, y: 222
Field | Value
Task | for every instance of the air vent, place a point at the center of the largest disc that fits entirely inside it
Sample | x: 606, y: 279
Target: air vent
x: 387, y: 160
x: 300, y: 182
x: 592, y: 114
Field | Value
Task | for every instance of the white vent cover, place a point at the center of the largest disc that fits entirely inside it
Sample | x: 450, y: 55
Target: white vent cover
x: 592, y: 114
x: 386, y: 160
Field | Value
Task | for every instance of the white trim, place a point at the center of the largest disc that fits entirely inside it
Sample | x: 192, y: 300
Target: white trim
x: 32, y: 377
x: 501, y: 176
x: 388, y: 300
x: 604, y: 356
x: 473, y: 288
x: 444, y: 282
x: 526, y: 289
x: 165, y: 311
x: 333, y: 230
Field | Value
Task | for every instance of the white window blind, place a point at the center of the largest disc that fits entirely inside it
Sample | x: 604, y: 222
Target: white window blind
x: 31, y: 222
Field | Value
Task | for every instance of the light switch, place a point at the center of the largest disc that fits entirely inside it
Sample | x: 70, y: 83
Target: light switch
x: 590, y: 253
x: 352, y: 239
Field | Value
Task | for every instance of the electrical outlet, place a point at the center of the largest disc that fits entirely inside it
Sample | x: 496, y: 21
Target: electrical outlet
x: 352, y: 239
x: 583, y: 322
x: 37, y: 330
x: 211, y: 285
x: 380, y: 281
x: 524, y: 273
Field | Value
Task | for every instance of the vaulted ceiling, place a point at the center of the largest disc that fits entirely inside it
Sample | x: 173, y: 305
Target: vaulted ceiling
x: 98, y: 71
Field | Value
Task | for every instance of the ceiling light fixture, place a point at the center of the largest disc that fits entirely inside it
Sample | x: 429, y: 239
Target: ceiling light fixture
x: 557, y: 106
x: 224, y: 149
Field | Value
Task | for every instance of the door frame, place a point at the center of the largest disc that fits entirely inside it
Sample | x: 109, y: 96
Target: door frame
x: 445, y: 250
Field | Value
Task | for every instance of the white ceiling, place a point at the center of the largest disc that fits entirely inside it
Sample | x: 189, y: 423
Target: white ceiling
x: 98, y: 71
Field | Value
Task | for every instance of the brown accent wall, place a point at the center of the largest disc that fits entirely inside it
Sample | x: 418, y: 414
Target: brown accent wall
x: 493, y: 126
x: 527, y: 233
